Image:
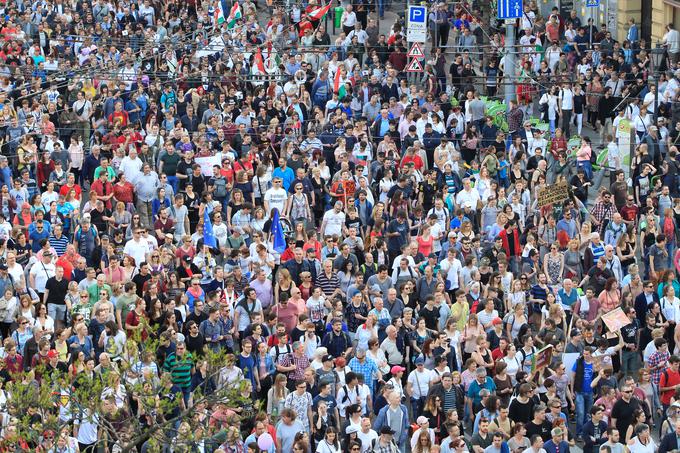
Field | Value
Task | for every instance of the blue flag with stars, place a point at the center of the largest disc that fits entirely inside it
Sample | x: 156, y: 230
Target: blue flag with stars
x: 208, y: 235
x: 277, y: 233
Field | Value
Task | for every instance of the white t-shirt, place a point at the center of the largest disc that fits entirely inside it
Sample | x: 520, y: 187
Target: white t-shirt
x: 137, y: 250
x: 367, y: 439
x: 420, y: 382
x: 42, y: 272
x: 334, y: 222
x: 567, y: 97
x: 638, y: 447
x: 452, y: 270
x: 276, y: 198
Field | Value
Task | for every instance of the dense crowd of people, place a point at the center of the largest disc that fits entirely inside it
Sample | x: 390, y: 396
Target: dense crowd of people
x: 205, y: 196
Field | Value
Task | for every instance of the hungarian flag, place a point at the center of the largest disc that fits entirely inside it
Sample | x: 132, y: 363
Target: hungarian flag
x: 339, y: 85
x: 234, y: 15
x: 318, y: 12
x: 220, y: 9
x: 258, y: 62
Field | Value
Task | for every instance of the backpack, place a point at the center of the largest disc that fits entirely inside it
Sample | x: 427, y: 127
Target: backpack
x: 346, y: 397
x: 220, y: 185
x: 278, y: 352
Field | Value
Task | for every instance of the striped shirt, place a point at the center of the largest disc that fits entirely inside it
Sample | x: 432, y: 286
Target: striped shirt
x: 180, y: 369
x: 327, y: 284
x: 59, y: 244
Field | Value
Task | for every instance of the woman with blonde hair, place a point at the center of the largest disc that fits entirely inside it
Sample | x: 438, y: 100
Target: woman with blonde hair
x: 284, y: 284
x: 276, y: 396
x: 473, y: 329
x: 573, y: 267
x: 584, y: 236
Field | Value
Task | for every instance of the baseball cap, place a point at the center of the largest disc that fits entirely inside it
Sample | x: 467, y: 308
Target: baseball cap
x: 351, y: 429
x: 420, y: 361
x: 497, y: 321
x: 386, y: 430
x: 575, y: 333
x: 397, y: 369
x: 340, y: 361
x: 326, y: 358
x: 422, y: 420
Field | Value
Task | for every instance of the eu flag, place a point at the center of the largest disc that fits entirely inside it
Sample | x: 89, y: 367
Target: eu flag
x: 208, y: 235
x: 277, y: 233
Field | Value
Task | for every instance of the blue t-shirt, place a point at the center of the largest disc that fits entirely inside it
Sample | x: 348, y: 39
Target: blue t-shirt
x: 587, y: 376
x: 475, y: 388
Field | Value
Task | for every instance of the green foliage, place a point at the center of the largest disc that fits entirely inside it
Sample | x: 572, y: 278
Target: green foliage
x: 34, y: 405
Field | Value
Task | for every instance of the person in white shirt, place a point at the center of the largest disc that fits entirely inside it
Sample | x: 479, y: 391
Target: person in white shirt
x: 40, y: 272
x: 131, y: 166
x: 550, y: 99
x: 397, y: 372
x: 418, y: 385
x: 566, y: 105
x: 424, y: 425
x: 670, y: 305
x: 275, y: 197
x: 672, y: 41
x: 642, y: 442
x: 451, y: 268
x: 536, y: 141
x: 137, y: 247
x: 648, y: 101
x: 468, y: 195
x: 333, y: 221
x: 367, y: 435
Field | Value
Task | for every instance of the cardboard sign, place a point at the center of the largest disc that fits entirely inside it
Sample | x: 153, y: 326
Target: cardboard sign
x: 615, y: 319
x: 206, y: 164
x: 542, y: 358
x: 553, y: 194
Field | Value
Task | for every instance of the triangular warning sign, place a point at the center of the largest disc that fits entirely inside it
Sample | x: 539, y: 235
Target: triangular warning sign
x: 414, y: 66
x: 416, y: 51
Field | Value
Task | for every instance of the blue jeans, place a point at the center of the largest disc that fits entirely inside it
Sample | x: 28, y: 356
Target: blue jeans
x: 584, y: 401
x: 587, y: 168
x: 381, y: 8
x: 172, y: 180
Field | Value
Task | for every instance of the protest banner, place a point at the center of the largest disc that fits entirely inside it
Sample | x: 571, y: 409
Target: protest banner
x: 542, y: 358
x: 615, y: 319
x: 206, y: 164
x: 553, y: 194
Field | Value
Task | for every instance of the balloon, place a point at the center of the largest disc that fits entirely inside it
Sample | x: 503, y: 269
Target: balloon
x: 265, y: 441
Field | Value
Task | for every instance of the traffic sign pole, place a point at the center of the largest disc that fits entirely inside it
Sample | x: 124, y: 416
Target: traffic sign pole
x: 509, y: 67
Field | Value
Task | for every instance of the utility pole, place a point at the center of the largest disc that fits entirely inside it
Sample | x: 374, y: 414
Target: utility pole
x: 509, y: 66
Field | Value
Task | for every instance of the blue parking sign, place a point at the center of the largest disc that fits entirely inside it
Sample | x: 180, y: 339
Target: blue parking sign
x: 417, y: 14
x: 592, y: 3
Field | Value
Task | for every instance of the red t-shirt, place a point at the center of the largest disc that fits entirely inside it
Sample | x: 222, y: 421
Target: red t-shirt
x: 65, y: 189
x: 669, y: 378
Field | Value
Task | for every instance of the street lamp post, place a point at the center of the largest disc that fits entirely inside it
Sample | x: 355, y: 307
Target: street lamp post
x: 657, y: 59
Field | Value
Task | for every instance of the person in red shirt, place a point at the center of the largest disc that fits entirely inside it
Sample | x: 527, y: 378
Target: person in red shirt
x: 123, y: 190
x: 103, y: 188
x: 119, y: 117
x: 412, y: 157
x: 669, y: 382
x: 629, y: 211
x: 14, y: 362
x: 71, y: 184
x: 500, y: 351
x: 136, y: 321
x: 68, y: 260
